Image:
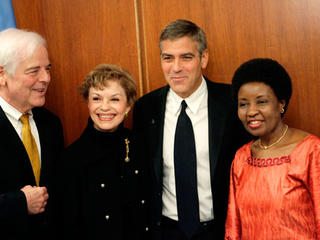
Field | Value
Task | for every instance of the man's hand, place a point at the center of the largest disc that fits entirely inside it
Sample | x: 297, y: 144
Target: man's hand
x: 36, y: 198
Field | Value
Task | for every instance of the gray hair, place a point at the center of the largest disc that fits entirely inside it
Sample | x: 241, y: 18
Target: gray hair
x: 17, y: 45
x: 180, y: 28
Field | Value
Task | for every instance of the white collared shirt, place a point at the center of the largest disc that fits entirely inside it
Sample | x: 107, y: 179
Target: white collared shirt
x: 197, y: 111
x: 14, y: 115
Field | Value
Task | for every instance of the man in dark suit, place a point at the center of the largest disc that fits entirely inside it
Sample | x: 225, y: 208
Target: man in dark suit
x: 27, y: 167
x: 217, y: 135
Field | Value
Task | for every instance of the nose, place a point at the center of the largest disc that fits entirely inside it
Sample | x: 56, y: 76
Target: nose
x: 177, y: 66
x: 252, y: 110
x: 105, y: 105
x: 44, y: 76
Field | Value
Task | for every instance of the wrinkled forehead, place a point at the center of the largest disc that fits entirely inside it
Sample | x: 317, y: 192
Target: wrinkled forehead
x: 183, y: 44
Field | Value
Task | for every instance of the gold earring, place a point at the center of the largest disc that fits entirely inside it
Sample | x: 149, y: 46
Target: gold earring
x: 282, y: 110
x: 126, y: 114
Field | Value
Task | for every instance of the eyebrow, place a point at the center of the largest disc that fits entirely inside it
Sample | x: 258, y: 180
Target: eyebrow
x: 181, y: 55
x: 187, y: 54
x: 114, y: 95
x: 242, y: 98
x: 258, y: 97
x: 261, y: 96
x: 165, y: 54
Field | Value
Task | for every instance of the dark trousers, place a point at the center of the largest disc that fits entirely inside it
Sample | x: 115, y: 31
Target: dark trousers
x: 170, y: 231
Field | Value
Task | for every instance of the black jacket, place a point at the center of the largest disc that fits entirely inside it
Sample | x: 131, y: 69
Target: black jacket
x: 226, y: 135
x: 16, y: 172
x: 102, y: 195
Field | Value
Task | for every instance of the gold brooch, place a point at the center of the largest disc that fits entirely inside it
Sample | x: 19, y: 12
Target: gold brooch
x: 127, y: 159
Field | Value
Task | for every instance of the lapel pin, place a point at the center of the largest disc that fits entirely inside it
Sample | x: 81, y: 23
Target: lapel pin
x: 127, y: 159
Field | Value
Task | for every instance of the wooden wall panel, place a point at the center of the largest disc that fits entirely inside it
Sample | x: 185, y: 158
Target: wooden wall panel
x: 80, y: 35
x: 83, y: 33
x: 287, y: 31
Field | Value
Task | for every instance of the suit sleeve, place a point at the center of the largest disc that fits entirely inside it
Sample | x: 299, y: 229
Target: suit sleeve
x: 137, y: 124
x: 13, y: 205
x: 146, y: 186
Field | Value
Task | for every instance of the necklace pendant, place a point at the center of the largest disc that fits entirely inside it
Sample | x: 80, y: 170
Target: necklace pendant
x: 263, y: 147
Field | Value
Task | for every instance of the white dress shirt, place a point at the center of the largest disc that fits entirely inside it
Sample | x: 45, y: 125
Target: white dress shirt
x: 14, y: 115
x: 197, y: 111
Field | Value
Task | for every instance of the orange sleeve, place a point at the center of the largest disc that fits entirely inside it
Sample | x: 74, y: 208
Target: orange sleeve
x: 233, y: 227
x: 314, y: 184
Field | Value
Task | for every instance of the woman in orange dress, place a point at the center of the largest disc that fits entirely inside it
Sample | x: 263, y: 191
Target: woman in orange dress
x: 275, y: 179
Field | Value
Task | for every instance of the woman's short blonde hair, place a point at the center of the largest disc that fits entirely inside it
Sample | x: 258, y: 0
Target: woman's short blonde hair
x: 101, y: 74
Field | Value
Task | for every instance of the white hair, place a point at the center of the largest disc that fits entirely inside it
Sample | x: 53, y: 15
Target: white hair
x: 16, y: 45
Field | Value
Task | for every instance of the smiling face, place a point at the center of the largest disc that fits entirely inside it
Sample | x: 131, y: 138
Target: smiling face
x: 107, y: 106
x: 27, y: 87
x: 259, y: 109
x: 182, y: 65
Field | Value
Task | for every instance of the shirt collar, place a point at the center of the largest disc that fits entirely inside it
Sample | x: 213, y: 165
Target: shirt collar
x: 193, y: 101
x: 10, y: 110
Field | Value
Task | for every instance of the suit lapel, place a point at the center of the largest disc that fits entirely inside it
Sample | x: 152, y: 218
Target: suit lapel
x: 217, y: 115
x: 157, y: 122
x: 9, y: 135
x: 43, y: 137
x: 11, y: 143
x: 217, y: 123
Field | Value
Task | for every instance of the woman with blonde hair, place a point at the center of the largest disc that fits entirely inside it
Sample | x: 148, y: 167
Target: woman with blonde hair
x: 104, y: 196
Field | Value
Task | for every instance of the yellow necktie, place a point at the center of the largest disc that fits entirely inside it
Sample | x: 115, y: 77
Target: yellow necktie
x: 31, y: 146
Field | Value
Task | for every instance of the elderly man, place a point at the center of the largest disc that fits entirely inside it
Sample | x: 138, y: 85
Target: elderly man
x: 188, y: 132
x: 31, y: 137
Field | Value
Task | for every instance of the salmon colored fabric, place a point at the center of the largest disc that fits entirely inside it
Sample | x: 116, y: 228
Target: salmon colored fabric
x: 275, y: 199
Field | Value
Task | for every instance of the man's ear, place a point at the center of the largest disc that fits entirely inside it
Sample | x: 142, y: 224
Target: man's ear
x: 3, y: 75
x: 204, y: 58
x: 2, y: 71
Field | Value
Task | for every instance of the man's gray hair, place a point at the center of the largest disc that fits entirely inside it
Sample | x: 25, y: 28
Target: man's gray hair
x: 17, y: 45
x: 180, y: 28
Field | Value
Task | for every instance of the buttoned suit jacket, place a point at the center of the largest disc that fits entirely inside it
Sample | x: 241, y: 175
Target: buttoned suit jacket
x: 226, y: 135
x: 16, y: 172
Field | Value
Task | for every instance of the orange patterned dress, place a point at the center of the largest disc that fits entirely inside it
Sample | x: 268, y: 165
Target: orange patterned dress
x: 275, y: 199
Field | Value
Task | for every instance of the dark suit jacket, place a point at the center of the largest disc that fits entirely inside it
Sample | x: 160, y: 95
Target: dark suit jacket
x: 16, y: 172
x: 226, y: 135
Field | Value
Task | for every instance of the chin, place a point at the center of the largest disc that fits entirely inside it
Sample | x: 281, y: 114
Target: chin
x: 254, y: 133
x: 104, y: 128
x: 39, y: 103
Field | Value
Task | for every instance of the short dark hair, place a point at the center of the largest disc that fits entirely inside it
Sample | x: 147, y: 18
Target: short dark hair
x: 180, y: 28
x: 267, y: 71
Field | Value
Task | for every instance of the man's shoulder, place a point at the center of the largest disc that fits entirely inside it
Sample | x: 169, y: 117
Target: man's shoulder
x: 154, y: 95
x: 219, y: 91
x: 41, y: 113
x: 218, y: 86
